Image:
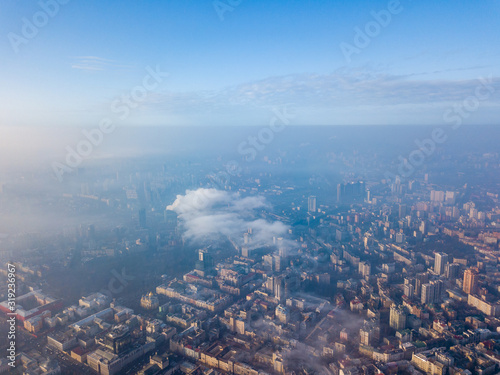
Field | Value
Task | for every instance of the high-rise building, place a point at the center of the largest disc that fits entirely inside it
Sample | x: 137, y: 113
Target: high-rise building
x: 440, y: 262
x: 365, y: 336
x: 400, y: 237
x: 438, y: 290
x: 311, y: 204
x: 420, y: 279
x: 369, y: 333
x: 205, y: 263
x: 147, y: 191
x: 282, y: 247
x: 277, y: 263
x: 364, y: 269
x: 279, y: 289
x: 450, y: 197
x: 291, y: 283
x: 427, y: 295
x: 402, y: 211
x: 431, y: 292
x: 282, y: 313
x: 142, y: 218
x: 409, y: 290
x: 437, y: 196
x: 350, y: 191
x: 268, y: 261
x: 470, y: 280
x: 247, y: 238
x: 452, y: 270
x: 246, y: 252
x: 397, y: 318
x: 170, y: 218
x: 269, y: 284
x: 424, y: 227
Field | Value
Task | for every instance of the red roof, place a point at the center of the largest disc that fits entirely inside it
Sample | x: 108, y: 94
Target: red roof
x: 78, y: 350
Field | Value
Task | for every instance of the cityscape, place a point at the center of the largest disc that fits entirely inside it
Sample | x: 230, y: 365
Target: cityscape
x: 264, y: 271
x: 165, y: 212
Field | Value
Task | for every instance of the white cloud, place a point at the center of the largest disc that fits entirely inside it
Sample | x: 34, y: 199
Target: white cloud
x: 211, y: 214
x: 345, y: 96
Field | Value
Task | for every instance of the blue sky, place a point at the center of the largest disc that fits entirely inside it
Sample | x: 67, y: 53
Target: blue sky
x: 427, y: 59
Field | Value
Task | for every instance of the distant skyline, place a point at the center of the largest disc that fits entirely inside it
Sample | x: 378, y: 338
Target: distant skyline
x: 231, y: 64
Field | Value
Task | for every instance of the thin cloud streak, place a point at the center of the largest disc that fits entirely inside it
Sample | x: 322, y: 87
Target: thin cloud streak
x: 95, y: 63
x: 335, y: 90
